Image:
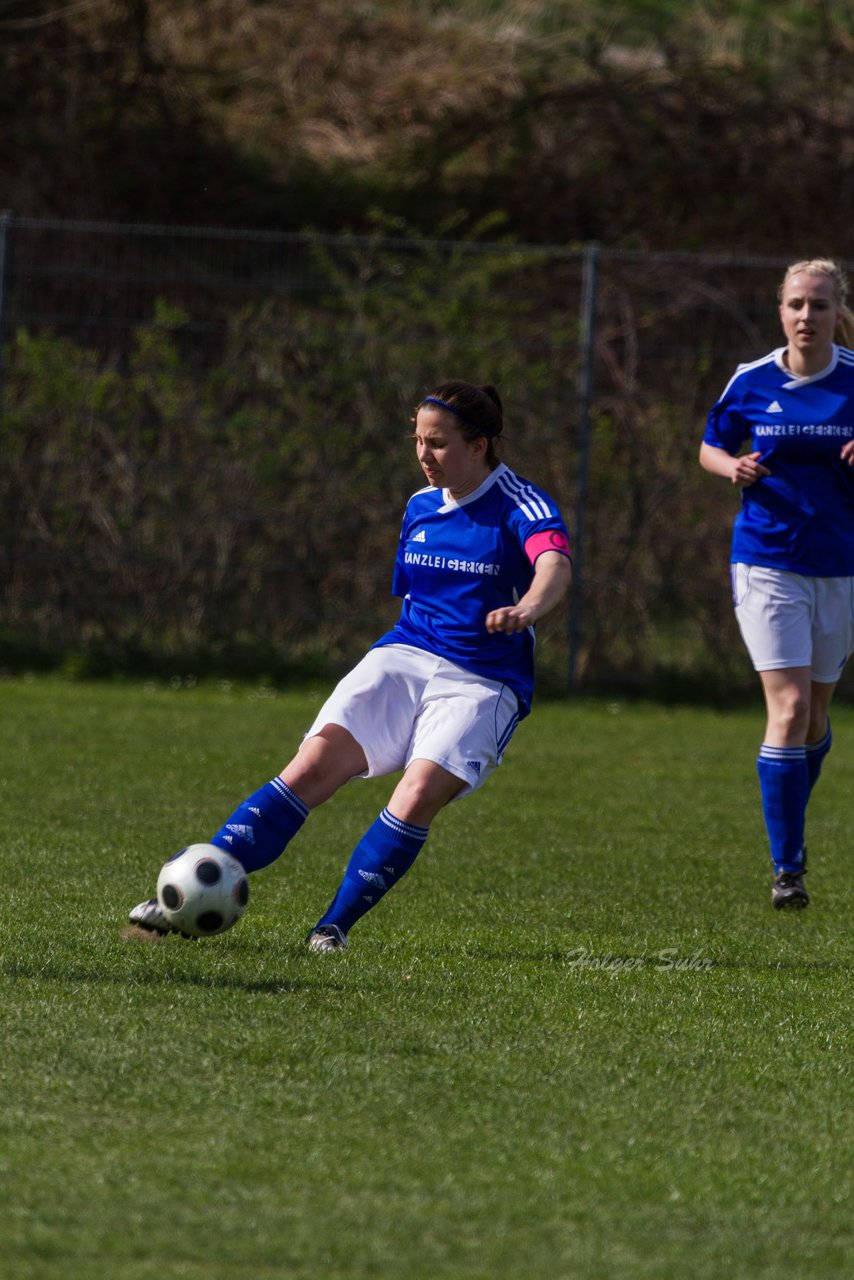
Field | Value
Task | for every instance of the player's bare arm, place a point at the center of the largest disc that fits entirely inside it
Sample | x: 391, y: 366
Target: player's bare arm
x: 744, y: 470
x: 552, y: 578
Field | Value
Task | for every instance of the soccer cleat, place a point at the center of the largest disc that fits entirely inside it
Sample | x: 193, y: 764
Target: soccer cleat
x: 326, y: 937
x: 788, y: 890
x: 149, y: 915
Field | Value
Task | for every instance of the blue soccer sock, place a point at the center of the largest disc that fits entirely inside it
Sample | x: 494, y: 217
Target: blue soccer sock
x: 258, y: 830
x: 784, y: 784
x: 816, y: 751
x: 385, y: 853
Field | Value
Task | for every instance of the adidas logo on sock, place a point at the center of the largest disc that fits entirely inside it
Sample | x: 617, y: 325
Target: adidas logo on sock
x: 373, y: 878
x: 244, y: 833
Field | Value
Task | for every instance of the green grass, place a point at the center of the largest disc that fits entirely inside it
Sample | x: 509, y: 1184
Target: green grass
x: 576, y: 1042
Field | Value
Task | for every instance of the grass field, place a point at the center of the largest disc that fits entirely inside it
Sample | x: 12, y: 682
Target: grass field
x: 575, y: 1043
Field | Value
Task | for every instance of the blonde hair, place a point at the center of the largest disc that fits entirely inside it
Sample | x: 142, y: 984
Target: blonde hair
x: 839, y: 280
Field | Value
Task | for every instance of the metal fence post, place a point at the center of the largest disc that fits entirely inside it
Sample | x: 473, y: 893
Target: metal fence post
x: 5, y: 220
x: 585, y: 395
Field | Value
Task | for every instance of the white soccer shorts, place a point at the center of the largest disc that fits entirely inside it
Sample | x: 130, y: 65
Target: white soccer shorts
x: 403, y: 704
x: 787, y: 620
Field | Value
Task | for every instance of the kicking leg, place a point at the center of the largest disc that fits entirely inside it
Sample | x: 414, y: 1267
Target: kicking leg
x: 260, y: 828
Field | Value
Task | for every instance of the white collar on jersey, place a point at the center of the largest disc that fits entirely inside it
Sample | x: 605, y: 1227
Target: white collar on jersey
x: 451, y: 504
x: 794, y: 379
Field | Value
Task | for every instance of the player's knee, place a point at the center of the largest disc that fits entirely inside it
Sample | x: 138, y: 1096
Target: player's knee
x: 791, y: 711
x: 306, y: 776
x: 420, y: 795
x: 323, y: 763
x: 412, y: 798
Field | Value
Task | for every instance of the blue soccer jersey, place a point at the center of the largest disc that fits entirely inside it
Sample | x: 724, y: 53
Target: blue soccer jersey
x: 799, y: 518
x: 459, y: 560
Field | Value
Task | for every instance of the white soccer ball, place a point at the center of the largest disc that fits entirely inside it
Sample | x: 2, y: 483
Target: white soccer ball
x: 202, y: 890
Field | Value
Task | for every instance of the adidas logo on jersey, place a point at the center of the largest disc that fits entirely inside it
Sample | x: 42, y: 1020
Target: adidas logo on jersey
x: 774, y: 407
x: 420, y: 537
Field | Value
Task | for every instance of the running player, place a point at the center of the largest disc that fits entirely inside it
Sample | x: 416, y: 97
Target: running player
x: 793, y: 543
x: 483, y: 554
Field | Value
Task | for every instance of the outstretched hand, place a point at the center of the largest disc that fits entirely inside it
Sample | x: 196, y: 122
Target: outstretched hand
x: 847, y: 454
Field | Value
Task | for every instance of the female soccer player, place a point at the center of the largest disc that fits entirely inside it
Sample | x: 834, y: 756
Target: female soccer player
x: 482, y: 555
x: 793, y: 543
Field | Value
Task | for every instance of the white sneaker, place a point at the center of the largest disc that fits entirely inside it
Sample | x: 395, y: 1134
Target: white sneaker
x: 149, y: 915
x: 326, y: 937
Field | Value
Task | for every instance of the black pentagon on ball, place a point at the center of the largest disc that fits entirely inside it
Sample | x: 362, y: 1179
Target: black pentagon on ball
x: 208, y: 871
x: 172, y: 897
x: 210, y: 921
x: 241, y: 892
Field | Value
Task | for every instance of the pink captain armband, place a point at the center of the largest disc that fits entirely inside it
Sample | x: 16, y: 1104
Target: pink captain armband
x: 548, y: 540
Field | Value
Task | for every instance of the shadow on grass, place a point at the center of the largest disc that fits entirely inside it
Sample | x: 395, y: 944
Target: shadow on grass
x: 16, y: 971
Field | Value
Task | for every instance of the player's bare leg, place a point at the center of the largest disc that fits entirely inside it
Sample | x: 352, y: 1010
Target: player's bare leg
x: 821, y: 696
x: 423, y: 791
x: 323, y: 764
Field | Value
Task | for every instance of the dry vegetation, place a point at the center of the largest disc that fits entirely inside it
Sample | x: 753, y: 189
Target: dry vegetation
x: 651, y: 127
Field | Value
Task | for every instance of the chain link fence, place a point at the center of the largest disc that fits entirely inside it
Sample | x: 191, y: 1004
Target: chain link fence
x: 206, y: 449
